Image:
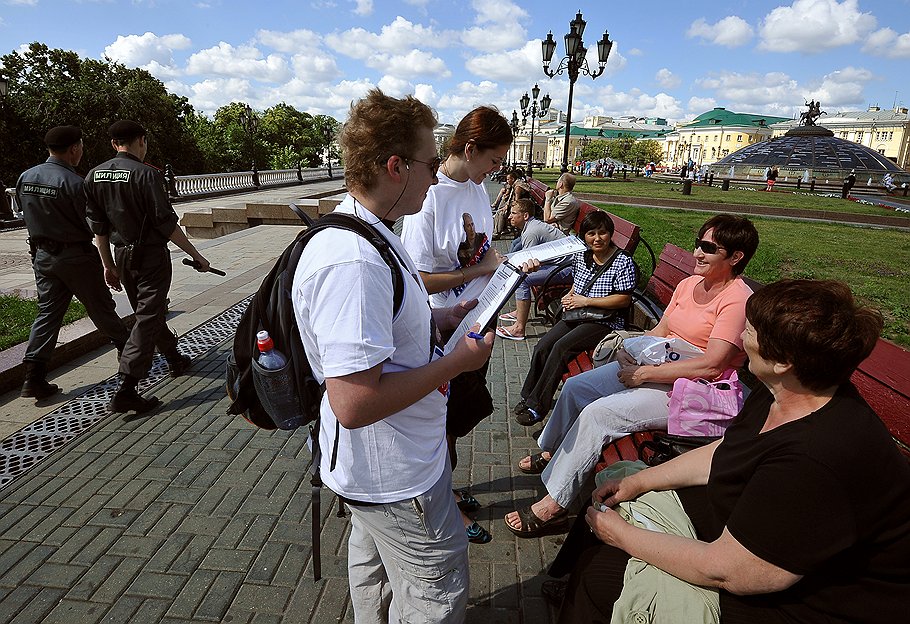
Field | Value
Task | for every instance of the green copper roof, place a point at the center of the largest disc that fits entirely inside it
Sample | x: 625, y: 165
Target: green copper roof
x: 723, y: 117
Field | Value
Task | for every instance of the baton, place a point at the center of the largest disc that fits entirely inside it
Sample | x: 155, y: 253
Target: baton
x: 195, y: 265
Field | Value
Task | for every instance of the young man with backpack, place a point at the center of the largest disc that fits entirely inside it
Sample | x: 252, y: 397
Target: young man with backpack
x: 382, y: 417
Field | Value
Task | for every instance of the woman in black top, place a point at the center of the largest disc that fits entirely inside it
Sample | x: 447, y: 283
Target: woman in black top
x: 806, y: 513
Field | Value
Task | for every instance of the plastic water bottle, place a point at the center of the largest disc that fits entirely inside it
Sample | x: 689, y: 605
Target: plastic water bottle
x: 269, y: 358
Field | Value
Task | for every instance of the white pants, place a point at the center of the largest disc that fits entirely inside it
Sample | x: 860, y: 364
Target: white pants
x: 594, y: 409
x: 408, y: 561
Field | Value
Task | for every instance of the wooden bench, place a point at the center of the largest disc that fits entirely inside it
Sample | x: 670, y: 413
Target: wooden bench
x: 626, y: 236
x: 883, y: 378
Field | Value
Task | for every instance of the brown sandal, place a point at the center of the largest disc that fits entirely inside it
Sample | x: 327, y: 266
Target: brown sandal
x: 532, y: 526
x: 537, y: 465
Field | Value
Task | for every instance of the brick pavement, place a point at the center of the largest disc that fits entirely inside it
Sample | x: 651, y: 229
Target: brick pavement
x: 189, y: 515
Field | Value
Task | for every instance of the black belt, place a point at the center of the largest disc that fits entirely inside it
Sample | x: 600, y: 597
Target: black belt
x: 55, y: 247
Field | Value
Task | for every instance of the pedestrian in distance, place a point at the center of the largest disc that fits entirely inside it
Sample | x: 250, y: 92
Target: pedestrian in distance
x: 128, y: 206
x: 52, y: 200
x: 386, y: 378
x: 849, y: 181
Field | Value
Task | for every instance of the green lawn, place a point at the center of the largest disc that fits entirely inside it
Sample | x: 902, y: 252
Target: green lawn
x: 17, y: 316
x: 738, y: 194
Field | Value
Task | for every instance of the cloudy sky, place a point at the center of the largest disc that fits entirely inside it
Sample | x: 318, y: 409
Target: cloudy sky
x: 671, y: 59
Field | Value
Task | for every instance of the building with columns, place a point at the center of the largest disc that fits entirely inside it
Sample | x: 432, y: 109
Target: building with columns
x: 715, y: 134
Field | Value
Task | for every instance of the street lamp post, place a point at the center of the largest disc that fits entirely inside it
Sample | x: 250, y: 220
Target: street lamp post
x: 533, y: 112
x: 328, y: 135
x: 574, y: 63
x: 249, y: 121
x: 514, y: 126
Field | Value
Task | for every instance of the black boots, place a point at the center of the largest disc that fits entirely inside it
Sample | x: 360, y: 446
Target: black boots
x: 36, y: 385
x: 178, y: 364
x: 127, y: 398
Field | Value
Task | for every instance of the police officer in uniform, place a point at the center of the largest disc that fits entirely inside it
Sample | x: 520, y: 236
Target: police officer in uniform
x: 65, y: 261
x: 128, y: 206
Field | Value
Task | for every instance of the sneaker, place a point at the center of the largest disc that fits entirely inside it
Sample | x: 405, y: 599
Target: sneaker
x: 477, y: 534
x: 528, y: 417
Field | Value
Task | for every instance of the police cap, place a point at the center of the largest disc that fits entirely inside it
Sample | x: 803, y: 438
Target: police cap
x: 126, y: 130
x: 61, y: 137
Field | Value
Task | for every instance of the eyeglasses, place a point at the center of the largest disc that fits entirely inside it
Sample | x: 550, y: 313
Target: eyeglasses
x: 707, y: 246
x: 433, y: 164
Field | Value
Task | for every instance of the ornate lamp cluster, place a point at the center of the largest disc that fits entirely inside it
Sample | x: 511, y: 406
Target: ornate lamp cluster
x: 529, y: 109
x: 514, y: 126
x: 574, y: 63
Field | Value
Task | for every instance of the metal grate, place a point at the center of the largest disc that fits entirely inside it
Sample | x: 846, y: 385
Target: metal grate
x: 28, y: 446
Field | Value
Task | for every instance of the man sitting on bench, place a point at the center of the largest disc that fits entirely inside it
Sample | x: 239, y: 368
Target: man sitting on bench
x: 533, y: 232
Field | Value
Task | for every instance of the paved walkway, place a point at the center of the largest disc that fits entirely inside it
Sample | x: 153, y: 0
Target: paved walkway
x: 189, y: 515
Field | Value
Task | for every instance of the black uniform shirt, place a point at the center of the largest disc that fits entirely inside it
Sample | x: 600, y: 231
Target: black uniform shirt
x: 123, y: 192
x: 52, y: 201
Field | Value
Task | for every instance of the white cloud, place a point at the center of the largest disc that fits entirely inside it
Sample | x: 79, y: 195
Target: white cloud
x: 315, y: 67
x: 698, y: 105
x: 289, y: 42
x: 731, y: 31
x: 888, y: 43
x: 636, y: 52
x: 465, y: 97
x: 667, y: 79
x: 843, y: 88
x: 209, y: 95
x: 149, y: 52
x: 752, y: 92
x: 400, y: 35
x: 396, y: 87
x: 510, y: 66
x: 22, y: 2
x: 498, y: 26
x: 243, y: 61
x: 814, y: 26
x: 426, y: 94
x: 363, y: 8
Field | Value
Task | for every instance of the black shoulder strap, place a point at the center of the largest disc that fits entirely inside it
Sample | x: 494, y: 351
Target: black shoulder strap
x: 599, y: 271
x: 362, y: 228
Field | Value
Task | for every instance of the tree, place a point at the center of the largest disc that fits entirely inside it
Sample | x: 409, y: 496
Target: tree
x: 50, y: 87
x: 595, y: 150
x: 621, y: 148
x: 646, y: 151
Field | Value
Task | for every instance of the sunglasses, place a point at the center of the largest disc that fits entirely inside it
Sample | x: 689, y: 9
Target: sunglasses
x: 706, y: 246
x: 433, y: 164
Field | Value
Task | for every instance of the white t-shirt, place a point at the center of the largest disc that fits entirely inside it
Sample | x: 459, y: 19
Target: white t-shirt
x: 343, y: 300
x: 436, y: 237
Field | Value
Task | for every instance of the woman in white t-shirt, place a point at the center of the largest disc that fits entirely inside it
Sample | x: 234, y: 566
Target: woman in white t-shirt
x: 450, y: 242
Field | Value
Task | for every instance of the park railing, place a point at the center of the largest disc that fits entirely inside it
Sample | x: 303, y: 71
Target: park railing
x: 183, y: 188
x: 187, y: 187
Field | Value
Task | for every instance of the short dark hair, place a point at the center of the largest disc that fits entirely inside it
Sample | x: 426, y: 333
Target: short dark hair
x: 595, y: 220
x: 526, y: 206
x: 733, y: 233
x: 814, y: 325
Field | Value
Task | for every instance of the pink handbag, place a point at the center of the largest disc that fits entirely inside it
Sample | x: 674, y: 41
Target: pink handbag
x: 704, y: 408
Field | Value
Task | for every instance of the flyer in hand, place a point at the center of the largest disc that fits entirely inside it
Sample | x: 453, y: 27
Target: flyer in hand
x: 504, y: 282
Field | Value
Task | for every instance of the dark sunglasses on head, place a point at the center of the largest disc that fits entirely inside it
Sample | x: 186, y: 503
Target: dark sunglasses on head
x: 706, y: 246
x: 433, y: 164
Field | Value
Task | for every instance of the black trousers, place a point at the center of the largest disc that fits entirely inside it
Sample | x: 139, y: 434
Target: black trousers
x: 75, y: 271
x: 551, y: 355
x: 146, y: 283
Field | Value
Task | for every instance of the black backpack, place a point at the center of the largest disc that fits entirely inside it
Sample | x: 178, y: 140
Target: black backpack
x: 290, y: 397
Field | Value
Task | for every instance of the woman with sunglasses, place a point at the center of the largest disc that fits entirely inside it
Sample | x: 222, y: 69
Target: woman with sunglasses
x: 801, y: 514
x: 456, y: 216
x: 707, y: 310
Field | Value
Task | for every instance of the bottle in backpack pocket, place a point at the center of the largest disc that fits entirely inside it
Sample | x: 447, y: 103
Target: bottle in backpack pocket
x: 272, y: 378
x: 269, y: 358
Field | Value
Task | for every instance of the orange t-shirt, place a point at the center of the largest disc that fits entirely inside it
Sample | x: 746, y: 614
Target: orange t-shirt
x: 724, y: 317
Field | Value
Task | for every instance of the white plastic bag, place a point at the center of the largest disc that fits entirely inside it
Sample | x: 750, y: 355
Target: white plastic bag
x: 657, y: 350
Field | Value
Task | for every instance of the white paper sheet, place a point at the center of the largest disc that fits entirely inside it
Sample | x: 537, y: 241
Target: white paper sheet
x: 498, y: 291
